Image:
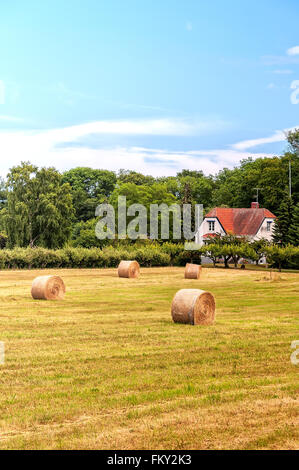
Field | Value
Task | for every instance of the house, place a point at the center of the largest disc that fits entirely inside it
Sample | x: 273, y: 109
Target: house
x: 254, y: 223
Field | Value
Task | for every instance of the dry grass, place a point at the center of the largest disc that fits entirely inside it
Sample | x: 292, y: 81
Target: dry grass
x: 107, y: 368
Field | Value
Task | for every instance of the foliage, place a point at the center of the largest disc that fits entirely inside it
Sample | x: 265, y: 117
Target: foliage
x: 293, y: 234
x: 259, y: 248
x: 71, y: 257
x: 3, y: 240
x: 89, y: 188
x: 229, y: 247
x: 283, y: 221
x: 84, y: 235
x: 43, y: 207
x: 39, y: 207
x: 129, y: 176
x: 283, y: 256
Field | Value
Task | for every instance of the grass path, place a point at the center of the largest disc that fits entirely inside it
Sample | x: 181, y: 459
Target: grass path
x: 106, y: 368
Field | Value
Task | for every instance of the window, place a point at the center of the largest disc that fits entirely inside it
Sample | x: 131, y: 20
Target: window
x: 269, y: 226
x: 211, y: 225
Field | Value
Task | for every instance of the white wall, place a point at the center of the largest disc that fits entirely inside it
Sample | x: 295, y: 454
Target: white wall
x: 204, y: 229
x: 262, y: 232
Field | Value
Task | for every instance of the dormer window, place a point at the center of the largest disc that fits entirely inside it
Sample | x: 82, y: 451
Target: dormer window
x: 211, y: 225
x: 269, y: 226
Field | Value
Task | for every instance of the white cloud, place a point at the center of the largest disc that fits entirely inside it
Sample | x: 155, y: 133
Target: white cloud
x: 44, y: 148
x: 293, y: 50
x: 167, y: 127
x: 283, y: 72
x: 278, y: 136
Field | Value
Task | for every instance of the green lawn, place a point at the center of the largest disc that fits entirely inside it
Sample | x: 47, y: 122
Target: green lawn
x: 108, y: 369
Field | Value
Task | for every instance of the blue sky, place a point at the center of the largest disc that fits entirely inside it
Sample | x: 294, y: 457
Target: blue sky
x: 154, y: 86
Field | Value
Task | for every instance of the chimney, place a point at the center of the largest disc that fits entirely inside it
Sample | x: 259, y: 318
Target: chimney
x: 255, y: 205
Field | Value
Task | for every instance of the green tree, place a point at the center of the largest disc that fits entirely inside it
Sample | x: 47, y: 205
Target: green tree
x: 84, y: 235
x: 212, y: 251
x: 3, y: 204
x: 229, y: 247
x: 293, y: 234
x: 129, y: 176
x: 282, y: 256
x: 236, y: 187
x: 259, y: 248
x: 283, y: 221
x: 39, y: 207
x: 293, y: 140
x: 156, y: 193
x: 89, y: 188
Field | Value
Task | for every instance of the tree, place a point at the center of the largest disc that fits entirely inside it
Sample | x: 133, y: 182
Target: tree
x: 89, y: 188
x: 283, y: 221
x: 212, y: 251
x: 259, y: 248
x: 236, y: 187
x: 39, y: 207
x: 293, y: 140
x: 129, y: 176
x: 282, y: 256
x: 84, y: 234
x: 294, y: 227
x: 229, y: 247
x: 142, y: 194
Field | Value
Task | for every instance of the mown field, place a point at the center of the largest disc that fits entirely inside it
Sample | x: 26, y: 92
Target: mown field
x: 107, y: 369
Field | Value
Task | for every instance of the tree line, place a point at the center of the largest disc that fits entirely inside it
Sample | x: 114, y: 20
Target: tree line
x: 41, y: 207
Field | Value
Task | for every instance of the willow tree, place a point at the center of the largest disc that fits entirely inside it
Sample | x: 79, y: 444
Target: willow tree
x: 39, y: 207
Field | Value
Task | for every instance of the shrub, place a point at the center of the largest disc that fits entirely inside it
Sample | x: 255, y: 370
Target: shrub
x: 283, y: 257
x: 70, y: 257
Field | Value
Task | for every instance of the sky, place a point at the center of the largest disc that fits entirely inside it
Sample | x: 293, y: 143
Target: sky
x: 153, y: 86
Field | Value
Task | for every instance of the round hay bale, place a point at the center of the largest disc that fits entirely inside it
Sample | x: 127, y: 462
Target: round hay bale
x: 192, y: 271
x: 193, y: 306
x: 128, y: 269
x: 48, y: 288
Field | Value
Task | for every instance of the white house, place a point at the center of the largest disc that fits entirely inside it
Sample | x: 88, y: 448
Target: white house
x: 254, y: 223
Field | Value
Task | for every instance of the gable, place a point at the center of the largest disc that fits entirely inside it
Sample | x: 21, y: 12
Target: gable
x: 240, y: 221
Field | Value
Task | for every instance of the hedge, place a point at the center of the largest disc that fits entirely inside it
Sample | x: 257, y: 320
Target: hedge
x: 147, y: 255
x: 39, y: 258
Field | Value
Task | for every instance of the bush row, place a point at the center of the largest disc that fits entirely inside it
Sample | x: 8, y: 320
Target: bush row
x: 36, y: 258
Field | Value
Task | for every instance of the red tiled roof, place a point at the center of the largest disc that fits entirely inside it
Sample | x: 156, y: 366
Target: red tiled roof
x: 210, y: 235
x: 240, y: 221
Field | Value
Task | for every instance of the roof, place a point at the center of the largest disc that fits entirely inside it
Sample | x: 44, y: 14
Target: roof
x: 240, y: 221
x: 210, y: 235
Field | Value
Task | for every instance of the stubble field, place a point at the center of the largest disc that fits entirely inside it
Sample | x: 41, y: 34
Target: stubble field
x: 106, y: 368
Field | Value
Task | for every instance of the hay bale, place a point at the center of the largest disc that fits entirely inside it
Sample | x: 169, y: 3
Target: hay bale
x: 193, y: 306
x: 192, y: 271
x: 128, y: 269
x: 48, y: 288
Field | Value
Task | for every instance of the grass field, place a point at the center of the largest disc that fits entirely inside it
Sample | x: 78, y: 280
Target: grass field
x: 107, y: 369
